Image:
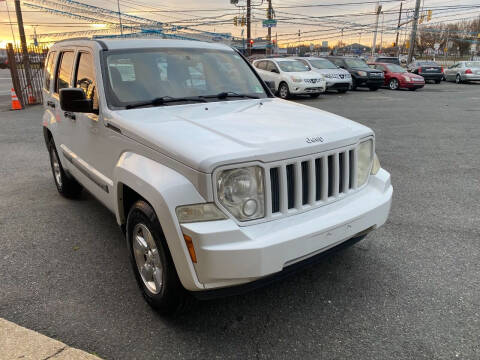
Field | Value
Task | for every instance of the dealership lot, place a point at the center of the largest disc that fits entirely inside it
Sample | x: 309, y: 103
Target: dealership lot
x: 410, y: 290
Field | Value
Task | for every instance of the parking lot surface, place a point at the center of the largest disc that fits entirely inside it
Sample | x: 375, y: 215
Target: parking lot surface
x: 5, y: 87
x: 410, y: 290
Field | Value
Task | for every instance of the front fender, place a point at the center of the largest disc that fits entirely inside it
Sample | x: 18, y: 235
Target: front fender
x: 164, y: 189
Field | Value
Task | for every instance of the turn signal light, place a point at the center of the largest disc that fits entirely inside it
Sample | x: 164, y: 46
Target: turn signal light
x: 191, y: 249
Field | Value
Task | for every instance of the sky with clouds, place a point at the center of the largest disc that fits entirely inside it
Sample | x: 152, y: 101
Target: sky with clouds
x: 318, y: 20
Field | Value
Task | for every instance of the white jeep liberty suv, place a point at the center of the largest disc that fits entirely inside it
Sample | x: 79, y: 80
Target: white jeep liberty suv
x: 219, y: 186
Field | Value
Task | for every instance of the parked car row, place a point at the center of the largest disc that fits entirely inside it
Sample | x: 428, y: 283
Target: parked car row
x: 314, y: 75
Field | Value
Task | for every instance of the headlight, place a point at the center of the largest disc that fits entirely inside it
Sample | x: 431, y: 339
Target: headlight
x: 241, y: 192
x: 408, y: 78
x: 199, y: 212
x: 376, y: 165
x: 364, y: 162
x: 362, y: 73
x: 296, y: 79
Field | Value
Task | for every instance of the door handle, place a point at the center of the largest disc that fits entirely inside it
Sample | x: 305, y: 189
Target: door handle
x: 69, y: 115
x: 51, y: 104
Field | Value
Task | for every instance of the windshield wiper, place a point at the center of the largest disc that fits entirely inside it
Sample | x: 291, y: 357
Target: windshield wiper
x: 164, y: 100
x: 227, y: 94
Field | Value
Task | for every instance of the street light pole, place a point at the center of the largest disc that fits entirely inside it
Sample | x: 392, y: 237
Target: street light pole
x: 120, y: 17
x: 374, y: 44
x: 269, y: 34
x: 23, y: 42
x: 249, y: 34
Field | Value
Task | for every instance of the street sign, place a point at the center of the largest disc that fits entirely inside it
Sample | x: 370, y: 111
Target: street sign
x: 269, y: 23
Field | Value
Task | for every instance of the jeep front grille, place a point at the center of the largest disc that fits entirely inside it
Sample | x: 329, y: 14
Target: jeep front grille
x: 297, y: 185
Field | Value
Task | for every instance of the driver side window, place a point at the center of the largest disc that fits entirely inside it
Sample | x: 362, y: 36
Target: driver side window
x: 85, y: 77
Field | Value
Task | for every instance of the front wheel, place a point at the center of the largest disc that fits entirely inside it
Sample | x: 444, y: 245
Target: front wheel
x: 393, y: 84
x: 438, y: 81
x: 342, y: 91
x: 373, y: 88
x: 314, y: 96
x: 151, y: 261
x: 283, y: 91
x: 66, y: 185
x: 458, y: 79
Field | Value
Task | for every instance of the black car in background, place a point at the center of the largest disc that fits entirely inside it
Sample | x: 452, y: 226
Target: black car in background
x: 430, y: 70
x: 362, y: 74
x: 3, y: 59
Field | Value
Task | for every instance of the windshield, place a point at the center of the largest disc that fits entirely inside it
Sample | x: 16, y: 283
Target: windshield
x: 396, y: 68
x: 472, y: 64
x: 322, y: 64
x: 356, y: 63
x: 143, y: 75
x: 292, y: 66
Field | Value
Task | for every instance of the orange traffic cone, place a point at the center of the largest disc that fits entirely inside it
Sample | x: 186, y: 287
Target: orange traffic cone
x: 31, y: 98
x: 15, y: 103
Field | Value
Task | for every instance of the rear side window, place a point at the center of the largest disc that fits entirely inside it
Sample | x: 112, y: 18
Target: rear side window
x: 64, y: 71
x: 49, y: 70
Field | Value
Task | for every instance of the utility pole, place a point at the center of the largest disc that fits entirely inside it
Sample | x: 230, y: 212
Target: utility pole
x: 398, y: 26
x: 381, y: 34
x: 269, y: 35
x: 120, y: 17
x: 23, y: 42
x: 374, y: 44
x: 413, y: 35
x: 249, y: 34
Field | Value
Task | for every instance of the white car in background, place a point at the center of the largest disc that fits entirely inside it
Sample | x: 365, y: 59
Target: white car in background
x: 463, y: 71
x: 336, y: 78
x: 291, y: 77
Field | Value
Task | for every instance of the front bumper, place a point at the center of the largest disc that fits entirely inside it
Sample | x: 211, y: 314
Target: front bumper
x: 369, y: 82
x: 228, y: 254
x: 412, y: 84
x: 302, y: 88
x: 338, y: 85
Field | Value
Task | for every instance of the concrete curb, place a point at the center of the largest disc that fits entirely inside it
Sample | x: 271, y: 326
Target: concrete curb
x: 17, y: 342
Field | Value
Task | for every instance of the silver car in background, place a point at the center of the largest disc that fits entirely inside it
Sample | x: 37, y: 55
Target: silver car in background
x: 463, y: 71
x: 337, y: 79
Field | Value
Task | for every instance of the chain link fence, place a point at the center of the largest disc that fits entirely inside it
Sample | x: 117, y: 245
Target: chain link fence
x: 26, y: 69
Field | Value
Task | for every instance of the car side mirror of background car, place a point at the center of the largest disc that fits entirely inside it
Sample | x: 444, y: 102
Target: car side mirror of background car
x: 271, y: 85
x: 275, y: 71
x: 75, y: 100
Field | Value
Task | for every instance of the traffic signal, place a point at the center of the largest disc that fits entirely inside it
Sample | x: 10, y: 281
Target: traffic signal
x: 407, y: 44
x: 251, y: 42
x: 429, y: 15
x: 235, y: 21
x: 421, y: 19
x: 243, y: 21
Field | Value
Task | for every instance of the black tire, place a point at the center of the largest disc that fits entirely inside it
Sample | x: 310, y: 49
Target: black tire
x: 283, y: 91
x: 354, y: 84
x: 458, y: 79
x: 373, y: 88
x: 393, y: 84
x: 66, y: 185
x: 438, y: 81
x: 412, y: 89
x: 172, y: 298
x: 342, y: 91
x: 314, y: 96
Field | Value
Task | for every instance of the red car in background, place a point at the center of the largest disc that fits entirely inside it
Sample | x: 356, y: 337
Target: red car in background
x: 396, y: 77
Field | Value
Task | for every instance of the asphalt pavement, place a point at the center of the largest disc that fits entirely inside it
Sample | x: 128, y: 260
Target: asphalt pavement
x: 410, y: 290
x: 5, y: 88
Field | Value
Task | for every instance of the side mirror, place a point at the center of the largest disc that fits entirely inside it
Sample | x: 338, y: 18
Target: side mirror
x: 275, y: 71
x: 74, y: 100
x: 271, y: 86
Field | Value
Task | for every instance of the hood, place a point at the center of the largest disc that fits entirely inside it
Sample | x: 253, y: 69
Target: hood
x: 330, y: 71
x: 204, y: 136
x: 304, y: 74
x: 367, y: 69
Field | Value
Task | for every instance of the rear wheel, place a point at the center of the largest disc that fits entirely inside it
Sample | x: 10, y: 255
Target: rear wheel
x: 458, y: 79
x: 151, y: 261
x: 438, y: 81
x: 283, y: 91
x: 66, y: 185
x: 393, y: 84
x: 342, y: 91
x: 314, y: 96
x: 373, y: 88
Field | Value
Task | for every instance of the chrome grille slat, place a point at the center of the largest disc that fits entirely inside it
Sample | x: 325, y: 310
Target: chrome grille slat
x: 311, y: 181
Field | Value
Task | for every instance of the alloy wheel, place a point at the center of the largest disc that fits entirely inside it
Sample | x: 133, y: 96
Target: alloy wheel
x: 393, y: 84
x: 57, y: 174
x: 283, y: 91
x: 147, y: 258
